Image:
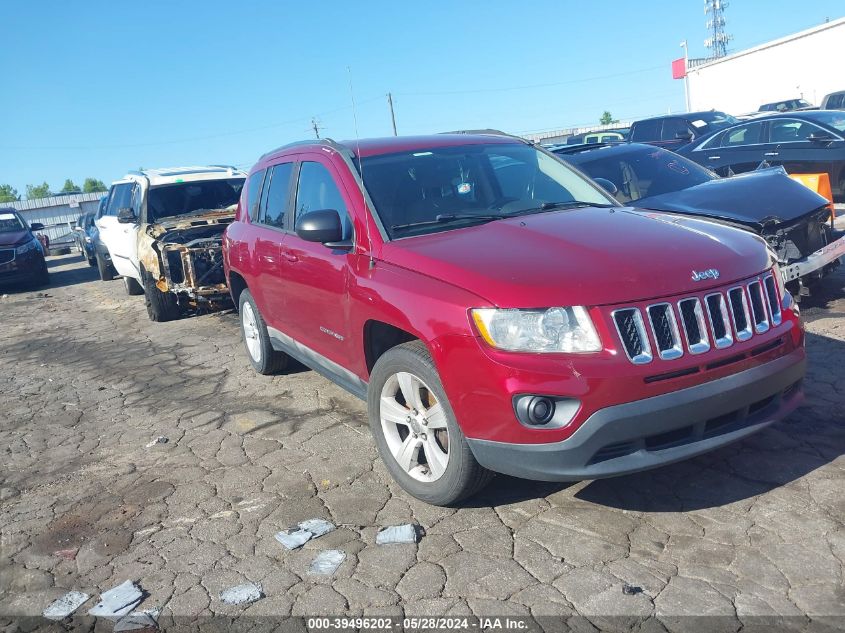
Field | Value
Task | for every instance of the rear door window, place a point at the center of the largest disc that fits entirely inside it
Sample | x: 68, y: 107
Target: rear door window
x: 750, y: 134
x: 276, y: 196
x: 646, y: 130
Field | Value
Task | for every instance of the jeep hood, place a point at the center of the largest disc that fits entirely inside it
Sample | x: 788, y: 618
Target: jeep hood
x: 586, y: 256
x: 758, y: 199
x: 14, y: 238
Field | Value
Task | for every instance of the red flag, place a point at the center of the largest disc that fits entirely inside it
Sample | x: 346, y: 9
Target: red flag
x: 679, y: 68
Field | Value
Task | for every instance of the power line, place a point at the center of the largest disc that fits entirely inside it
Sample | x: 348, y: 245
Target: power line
x: 530, y: 86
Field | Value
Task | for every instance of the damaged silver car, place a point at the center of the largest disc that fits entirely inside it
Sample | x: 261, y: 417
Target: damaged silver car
x: 164, y: 229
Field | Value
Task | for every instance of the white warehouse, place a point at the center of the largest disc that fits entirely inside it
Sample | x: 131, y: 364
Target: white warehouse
x: 808, y: 64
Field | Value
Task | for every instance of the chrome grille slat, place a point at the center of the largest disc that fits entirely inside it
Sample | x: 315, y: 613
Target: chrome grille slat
x: 695, y: 329
x: 664, y: 326
x: 717, y: 313
x: 740, y: 314
x: 758, y: 308
x: 631, y: 329
x: 772, y: 296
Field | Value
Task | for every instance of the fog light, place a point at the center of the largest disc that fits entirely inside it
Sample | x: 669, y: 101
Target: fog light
x: 540, y: 410
x: 545, y: 411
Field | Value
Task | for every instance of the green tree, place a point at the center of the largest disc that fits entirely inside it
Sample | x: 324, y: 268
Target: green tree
x: 607, y: 118
x: 92, y: 185
x: 70, y: 187
x: 8, y: 194
x: 33, y: 192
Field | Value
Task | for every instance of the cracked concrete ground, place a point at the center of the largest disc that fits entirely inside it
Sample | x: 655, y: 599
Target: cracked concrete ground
x: 757, y: 528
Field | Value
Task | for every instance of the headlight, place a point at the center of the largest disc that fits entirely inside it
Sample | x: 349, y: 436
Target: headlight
x: 32, y: 245
x: 550, y: 330
x: 88, y: 239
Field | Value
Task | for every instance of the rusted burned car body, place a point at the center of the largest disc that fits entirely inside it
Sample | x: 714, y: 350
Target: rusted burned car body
x: 185, y: 257
x: 164, y: 233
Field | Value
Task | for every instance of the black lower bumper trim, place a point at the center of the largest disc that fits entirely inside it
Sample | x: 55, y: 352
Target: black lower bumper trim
x: 647, y: 433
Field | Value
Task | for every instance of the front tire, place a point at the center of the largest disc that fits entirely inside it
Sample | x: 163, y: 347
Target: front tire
x: 263, y: 358
x: 104, y: 268
x: 161, y: 306
x: 132, y: 286
x: 416, y: 432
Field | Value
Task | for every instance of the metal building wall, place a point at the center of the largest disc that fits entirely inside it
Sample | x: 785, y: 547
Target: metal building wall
x: 808, y: 64
x: 57, y: 213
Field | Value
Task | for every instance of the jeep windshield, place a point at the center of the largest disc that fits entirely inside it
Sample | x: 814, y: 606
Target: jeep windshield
x: 10, y: 223
x: 192, y: 198
x: 443, y: 188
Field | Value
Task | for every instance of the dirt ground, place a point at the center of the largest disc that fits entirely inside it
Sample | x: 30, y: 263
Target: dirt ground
x: 755, y: 529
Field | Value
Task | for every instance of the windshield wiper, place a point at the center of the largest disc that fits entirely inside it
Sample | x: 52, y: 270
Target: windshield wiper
x: 568, y: 204
x: 445, y: 218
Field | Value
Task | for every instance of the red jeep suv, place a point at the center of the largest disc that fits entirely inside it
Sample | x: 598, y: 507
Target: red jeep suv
x: 498, y: 311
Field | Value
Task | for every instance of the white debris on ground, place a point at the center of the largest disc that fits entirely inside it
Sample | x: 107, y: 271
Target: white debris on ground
x: 397, y: 534
x: 117, y: 602
x: 242, y: 594
x: 327, y: 562
x: 64, y: 606
x: 146, y: 619
x: 161, y: 439
x: 312, y: 528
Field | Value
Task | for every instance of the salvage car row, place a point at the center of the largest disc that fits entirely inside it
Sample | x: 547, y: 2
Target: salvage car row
x: 498, y: 310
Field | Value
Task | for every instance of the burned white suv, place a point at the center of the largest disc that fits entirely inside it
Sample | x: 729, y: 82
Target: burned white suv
x: 164, y: 228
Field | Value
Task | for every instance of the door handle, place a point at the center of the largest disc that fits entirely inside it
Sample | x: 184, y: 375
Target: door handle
x: 290, y: 257
x: 713, y: 157
x: 770, y: 154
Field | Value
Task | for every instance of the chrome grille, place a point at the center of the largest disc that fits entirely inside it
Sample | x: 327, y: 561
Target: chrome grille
x: 697, y: 324
x: 694, y: 326
x: 772, y: 296
x: 631, y: 329
x: 739, y: 312
x: 717, y: 312
x: 664, y: 326
x: 758, y: 308
x: 6, y: 255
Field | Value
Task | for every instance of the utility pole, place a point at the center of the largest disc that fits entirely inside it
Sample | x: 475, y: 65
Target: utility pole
x: 315, y: 127
x: 686, y: 73
x: 392, y: 114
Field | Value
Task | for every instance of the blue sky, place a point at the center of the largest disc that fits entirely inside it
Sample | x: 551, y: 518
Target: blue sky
x: 95, y: 88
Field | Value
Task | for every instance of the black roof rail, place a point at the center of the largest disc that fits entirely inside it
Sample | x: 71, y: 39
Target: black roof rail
x: 326, y: 142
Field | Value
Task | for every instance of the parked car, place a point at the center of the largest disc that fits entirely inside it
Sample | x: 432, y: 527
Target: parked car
x: 163, y: 229
x: 676, y: 130
x: 500, y: 312
x: 786, y: 105
x: 102, y: 257
x: 21, y: 253
x: 802, y: 142
x: 834, y: 101
x: 791, y: 218
x: 82, y: 234
x: 602, y: 136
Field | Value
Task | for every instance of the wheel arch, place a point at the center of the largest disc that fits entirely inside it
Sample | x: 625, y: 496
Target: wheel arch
x: 380, y: 336
x: 237, y: 284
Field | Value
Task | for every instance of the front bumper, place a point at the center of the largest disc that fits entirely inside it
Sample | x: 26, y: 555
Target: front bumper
x: 643, y: 434
x: 816, y: 261
x: 22, y: 268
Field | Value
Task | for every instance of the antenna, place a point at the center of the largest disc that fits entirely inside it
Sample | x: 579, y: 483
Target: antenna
x: 315, y: 125
x: 360, y: 166
x: 718, y: 41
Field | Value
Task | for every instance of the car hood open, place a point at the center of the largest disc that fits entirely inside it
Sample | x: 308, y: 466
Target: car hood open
x: 757, y: 199
x: 584, y: 256
x: 14, y: 238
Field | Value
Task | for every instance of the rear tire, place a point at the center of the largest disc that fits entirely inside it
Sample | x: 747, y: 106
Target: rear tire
x: 161, y: 306
x: 104, y: 268
x: 263, y: 358
x: 132, y: 286
x: 420, y: 430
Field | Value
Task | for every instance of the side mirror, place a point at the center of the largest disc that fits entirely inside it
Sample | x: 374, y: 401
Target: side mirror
x: 607, y: 185
x: 820, y: 137
x: 126, y: 216
x: 323, y: 226
x: 684, y: 136
x: 36, y: 226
